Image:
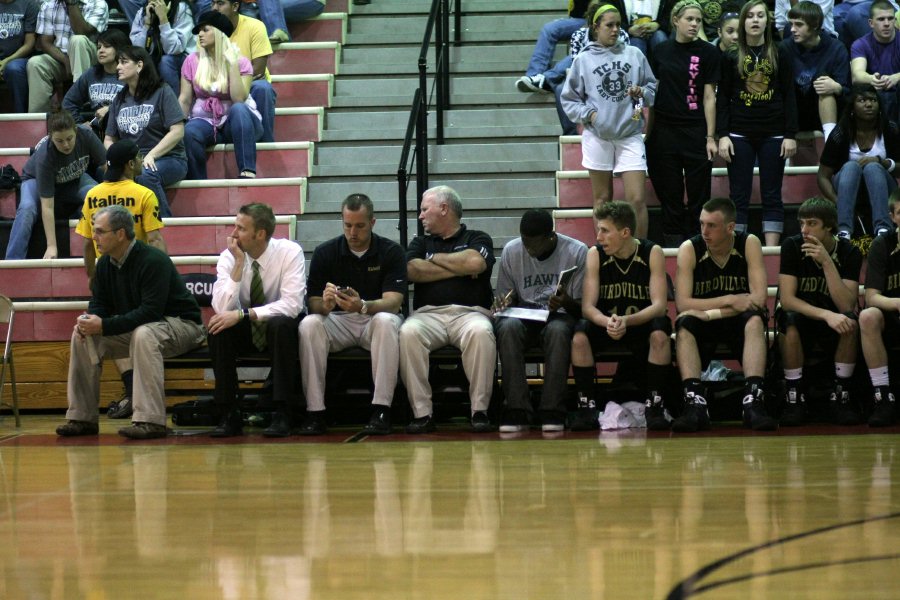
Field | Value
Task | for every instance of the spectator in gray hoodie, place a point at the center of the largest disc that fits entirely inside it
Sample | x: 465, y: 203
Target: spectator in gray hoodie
x: 606, y: 90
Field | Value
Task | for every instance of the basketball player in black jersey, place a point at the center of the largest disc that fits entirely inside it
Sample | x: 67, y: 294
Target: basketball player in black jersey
x: 880, y: 321
x: 623, y: 300
x: 720, y: 292
x: 818, y: 288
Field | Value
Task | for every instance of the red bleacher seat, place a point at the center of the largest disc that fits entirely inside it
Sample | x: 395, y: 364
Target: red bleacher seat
x: 54, y: 325
x: 21, y: 130
x: 303, y: 90
x: 337, y: 6
x: 211, y: 198
x: 324, y: 28
x: 69, y: 281
x: 286, y: 159
x: 297, y: 127
x: 809, y: 148
x: 313, y: 57
x: 17, y: 157
x: 576, y: 193
x: 191, y: 239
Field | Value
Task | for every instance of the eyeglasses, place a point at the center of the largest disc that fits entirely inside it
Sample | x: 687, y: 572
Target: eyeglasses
x: 99, y: 231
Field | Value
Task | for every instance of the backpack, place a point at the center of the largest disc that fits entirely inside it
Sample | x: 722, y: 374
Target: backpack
x: 9, y: 178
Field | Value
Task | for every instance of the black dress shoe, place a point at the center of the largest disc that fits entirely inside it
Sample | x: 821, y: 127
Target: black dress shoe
x: 280, y: 426
x: 421, y: 425
x: 230, y: 425
x: 314, y: 423
x: 380, y: 423
x: 481, y: 423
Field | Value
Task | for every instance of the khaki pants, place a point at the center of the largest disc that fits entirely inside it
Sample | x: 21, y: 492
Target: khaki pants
x: 433, y: 327
x: 378, y: 333
x: 147, y: 346
x: 44, y: 71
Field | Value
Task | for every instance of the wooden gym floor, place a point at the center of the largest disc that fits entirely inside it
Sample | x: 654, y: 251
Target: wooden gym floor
x: 809, y: 513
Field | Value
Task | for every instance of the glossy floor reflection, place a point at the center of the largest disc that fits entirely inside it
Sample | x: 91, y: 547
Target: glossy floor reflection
x: 615, y: 516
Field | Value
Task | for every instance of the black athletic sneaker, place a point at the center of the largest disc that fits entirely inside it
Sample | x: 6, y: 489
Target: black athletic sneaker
x: 121, y: 408
x: 515, y: 421
x: 845, y: 413
x: 794, y: 408
x: 694, y: 417
x: 755, y: 415
x: 883, y: 408
x: 586, y: 417
x: 552, y: 421
x: 655, y: 413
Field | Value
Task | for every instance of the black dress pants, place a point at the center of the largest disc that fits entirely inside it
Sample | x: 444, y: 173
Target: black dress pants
x: 677, y: 163
x: 282, y: 349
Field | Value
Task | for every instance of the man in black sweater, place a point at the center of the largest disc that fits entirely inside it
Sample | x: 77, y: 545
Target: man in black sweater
x: 140, y: 308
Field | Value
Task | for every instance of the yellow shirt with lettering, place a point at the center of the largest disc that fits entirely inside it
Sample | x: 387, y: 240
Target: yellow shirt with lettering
x: 140, y: 201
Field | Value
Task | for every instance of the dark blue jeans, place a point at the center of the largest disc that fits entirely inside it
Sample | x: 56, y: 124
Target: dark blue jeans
x: 276, y: 14
x: 170, y: 70
x: 767, y: 153
x: 169, y: 171
x: 264, y: 95
x: 28, y: 214
x: 879, y: 185
x: 16, y: 78
x: 551, y: 34
x: 556, y: 77
x: 242, y: 129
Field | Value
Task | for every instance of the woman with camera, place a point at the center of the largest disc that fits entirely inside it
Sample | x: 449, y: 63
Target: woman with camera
x: 215, y: 94
x: 164, y: 30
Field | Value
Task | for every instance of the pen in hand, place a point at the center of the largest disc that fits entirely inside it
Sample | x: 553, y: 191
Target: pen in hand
x: 501, y: 303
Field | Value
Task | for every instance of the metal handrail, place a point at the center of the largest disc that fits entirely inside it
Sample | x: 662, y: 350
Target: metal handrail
x: 417, y: 127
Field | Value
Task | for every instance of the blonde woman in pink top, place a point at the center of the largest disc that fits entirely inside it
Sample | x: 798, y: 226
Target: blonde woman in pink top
x: 215, y: 86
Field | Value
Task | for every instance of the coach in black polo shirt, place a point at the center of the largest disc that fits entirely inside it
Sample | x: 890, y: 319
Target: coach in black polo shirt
x: 356, y: 285
x: 451, y: 269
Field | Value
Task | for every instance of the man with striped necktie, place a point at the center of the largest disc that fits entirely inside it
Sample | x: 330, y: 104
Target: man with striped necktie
x: 258, y: 298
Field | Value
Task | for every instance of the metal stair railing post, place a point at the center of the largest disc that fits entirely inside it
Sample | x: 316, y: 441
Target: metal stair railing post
x: 417, y: 126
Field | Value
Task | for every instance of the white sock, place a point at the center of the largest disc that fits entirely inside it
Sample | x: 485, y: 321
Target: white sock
x: 827, y: 128
x: 793, y: 374
x: 879, y: 376
x: 844, y: 370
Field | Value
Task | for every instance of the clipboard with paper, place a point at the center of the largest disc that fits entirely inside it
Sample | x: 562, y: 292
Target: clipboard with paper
x: 539, y: 314
x: 565, y: 278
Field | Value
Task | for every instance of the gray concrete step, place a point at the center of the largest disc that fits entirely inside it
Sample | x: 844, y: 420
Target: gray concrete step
x: 312, y: 232
x: 371, y: 30
x: 503, y: 158
x: 510, y: 170
x: 464, y: 91
x: 490, y: 195
x: 458, y: 124
x: 420, y: 7
x: 506, y: 58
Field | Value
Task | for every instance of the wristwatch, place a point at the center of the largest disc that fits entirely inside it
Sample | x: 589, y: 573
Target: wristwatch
x: 365, y: 308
